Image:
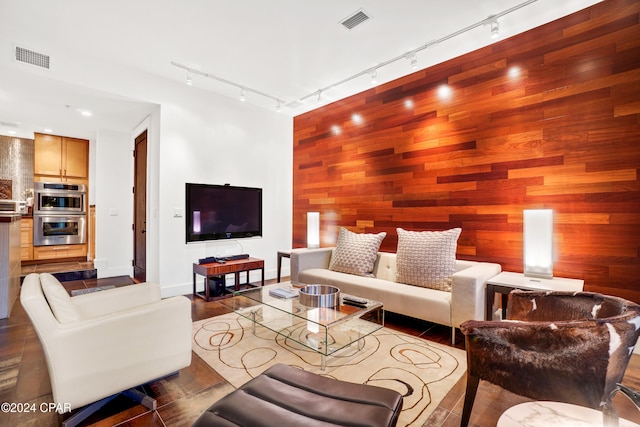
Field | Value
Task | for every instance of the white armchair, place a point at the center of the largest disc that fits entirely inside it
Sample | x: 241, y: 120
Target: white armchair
x: 100, y: 344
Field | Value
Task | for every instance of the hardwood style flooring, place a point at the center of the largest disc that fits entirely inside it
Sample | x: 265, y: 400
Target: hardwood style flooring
x: 181, y: 398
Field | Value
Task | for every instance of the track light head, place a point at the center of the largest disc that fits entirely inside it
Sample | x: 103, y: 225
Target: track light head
x: 320, y: 100
x: 278, y: 108
x: 374, y: 76
x: 495, y: 29
x: 189, y: 79
x: 413, y: 60
x: 243, y: 95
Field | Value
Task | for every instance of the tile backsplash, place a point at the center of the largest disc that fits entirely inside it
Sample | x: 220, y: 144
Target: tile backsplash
x: 16, y: 164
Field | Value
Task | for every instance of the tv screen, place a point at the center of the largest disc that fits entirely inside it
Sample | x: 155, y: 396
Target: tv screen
x: 222, y: 212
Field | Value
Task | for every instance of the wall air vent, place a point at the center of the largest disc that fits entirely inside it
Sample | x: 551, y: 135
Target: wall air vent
x: 355, y: 19
x: 31, y: 57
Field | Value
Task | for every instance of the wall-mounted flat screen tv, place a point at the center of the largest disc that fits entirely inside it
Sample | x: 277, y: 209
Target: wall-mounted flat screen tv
x: 222, y: 212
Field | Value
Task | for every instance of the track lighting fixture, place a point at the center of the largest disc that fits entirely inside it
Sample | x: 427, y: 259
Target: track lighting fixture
x: 243, y: 89
x: 491, y: 20
x: 278, y: 109
x: 372, y: 72
x: 413, y: 60
x: 495, y: 29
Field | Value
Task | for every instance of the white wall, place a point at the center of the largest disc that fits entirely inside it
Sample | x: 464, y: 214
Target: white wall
x: 112, y: 182
x: 194, y: 136
x: 215, y: 140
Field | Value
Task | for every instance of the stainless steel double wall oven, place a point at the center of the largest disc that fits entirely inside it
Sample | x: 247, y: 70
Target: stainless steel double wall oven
x: 59, y: 214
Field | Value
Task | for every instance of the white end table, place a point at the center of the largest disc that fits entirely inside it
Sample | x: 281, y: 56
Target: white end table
x: 506, y: 282
x: 553, y: 414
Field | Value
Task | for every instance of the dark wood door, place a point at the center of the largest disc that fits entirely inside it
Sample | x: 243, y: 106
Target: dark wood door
x: 140, y: 209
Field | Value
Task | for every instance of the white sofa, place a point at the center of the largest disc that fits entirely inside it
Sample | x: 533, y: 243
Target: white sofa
x: 99, y: 344
x: 465, y: 301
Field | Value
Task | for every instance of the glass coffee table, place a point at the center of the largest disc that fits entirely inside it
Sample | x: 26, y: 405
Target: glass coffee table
x: 321, y: 329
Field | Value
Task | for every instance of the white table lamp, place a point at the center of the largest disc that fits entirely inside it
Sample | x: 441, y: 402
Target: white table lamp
x: 313, y: 230
x: 538, y: 243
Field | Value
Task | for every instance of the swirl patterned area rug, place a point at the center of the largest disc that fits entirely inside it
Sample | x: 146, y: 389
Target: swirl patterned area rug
x: 422, y: 371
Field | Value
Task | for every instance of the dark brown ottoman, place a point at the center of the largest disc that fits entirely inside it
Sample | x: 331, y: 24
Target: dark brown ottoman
x: 283, y: 396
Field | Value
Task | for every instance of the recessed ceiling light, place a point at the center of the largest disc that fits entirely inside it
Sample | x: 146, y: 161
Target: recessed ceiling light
x: 47, y: 130
x: 11, y: 132
x: 86, y: 113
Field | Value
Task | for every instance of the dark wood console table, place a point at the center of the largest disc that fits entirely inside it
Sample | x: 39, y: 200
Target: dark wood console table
x: 216, y: 269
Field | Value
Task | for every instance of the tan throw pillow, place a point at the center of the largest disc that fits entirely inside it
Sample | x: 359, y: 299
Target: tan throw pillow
x: 58, y: 299
x: 427, y: 258
x: 356, y: 253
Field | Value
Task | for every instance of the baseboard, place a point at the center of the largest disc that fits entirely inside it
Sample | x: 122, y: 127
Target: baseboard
x: 187, y: 288
x: 175, y: 290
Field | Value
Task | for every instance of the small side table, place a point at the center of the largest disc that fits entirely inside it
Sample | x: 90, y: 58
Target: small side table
x: 234, y: 267
x: 554, y: 414
x: 282, y: 254
x: 506, y: 282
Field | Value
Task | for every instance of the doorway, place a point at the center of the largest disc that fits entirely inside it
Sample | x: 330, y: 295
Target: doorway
x: 140, y: 209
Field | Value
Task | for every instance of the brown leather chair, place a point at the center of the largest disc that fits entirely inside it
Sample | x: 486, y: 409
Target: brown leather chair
x: 284, y: 396
x: 560, y: 346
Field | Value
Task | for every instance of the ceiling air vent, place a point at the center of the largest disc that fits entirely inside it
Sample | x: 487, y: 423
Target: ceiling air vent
x: 355, y: 19
x: 31, y: 57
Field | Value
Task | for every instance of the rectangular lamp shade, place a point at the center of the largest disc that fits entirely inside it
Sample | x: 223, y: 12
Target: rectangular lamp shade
x: 538, y: 243
x: 313, y: 229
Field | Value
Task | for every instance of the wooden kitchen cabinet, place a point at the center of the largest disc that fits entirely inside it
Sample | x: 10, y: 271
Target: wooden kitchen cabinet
x: 59, y: 251
x: 75, y: 155
x: 26, y: 239
x: 60, y: 158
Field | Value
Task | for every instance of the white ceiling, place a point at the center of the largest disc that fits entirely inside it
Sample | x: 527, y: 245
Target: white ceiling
x: 288, y: 49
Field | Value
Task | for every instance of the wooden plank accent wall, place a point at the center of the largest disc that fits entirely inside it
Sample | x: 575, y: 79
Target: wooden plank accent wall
x: 546, y: 119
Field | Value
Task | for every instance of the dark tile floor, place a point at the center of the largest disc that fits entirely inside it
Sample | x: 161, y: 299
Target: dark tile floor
x: 64, y: 271
x: 57, y: 267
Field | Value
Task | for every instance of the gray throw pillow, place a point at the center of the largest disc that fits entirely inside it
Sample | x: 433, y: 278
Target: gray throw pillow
x: 427, y: 258
x: 356, y: 253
